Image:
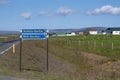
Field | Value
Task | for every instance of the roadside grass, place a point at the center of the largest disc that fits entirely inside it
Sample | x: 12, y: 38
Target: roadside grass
x: 32, y: 75
x: 2, y: 39
x: 71, y: 55
x: 68, y: 54
x: 33, y: 63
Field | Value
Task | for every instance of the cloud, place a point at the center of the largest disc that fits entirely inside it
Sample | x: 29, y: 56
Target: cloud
x: 26, y: 15
x: 5, y: 2
x: 64, y: 11
x: 44, y: 13
x: 107, y: 9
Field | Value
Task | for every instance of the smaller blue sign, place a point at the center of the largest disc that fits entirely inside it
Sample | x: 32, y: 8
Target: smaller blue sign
x: 33, y: 37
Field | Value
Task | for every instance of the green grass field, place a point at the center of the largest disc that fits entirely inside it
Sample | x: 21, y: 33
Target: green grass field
x: 105, y: 45
x: 9, y: 37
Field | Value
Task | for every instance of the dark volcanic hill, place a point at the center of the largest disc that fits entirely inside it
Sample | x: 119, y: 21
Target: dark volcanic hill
x: 77, y: 30
x: 9, y: 32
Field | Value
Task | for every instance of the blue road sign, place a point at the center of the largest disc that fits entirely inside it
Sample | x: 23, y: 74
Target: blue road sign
x: 33, y: 30
x: 33, y: 34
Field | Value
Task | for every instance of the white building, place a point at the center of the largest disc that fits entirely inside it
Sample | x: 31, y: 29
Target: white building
x: 116, y: 32
x: 70, y: 34
x: 113, y: 31
x: 93, y: 32
x: 104, y: 33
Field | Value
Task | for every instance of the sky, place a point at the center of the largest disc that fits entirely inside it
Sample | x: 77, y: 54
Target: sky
x: 58, y: 14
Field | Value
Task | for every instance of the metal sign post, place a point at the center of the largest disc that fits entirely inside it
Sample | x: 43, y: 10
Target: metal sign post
x: 20, y: 58
x: 47, y: 55
x: 33, y: 34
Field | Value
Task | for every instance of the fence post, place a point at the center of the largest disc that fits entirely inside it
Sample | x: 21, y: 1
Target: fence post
x: 102, y: 44
x: 94, y: 44
x: 112, y: 46
x: 88, y: 43
x: 67, y: 42
x: 79, y: 42
x: 13, y: 48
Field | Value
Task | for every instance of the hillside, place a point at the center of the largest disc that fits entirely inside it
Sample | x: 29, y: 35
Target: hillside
x: 77, y: 30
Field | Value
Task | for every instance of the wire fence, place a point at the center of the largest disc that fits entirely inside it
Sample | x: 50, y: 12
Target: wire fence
x: 107, y: 48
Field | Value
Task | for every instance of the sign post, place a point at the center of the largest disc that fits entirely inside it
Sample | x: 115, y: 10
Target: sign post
x: 20, y: 58
x: 47, y: 53
x: 33, y: 34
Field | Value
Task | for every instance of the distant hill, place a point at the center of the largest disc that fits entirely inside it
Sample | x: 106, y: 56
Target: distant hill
x: 58, y: 30
x: 77, y: 30
x: 9, y: 32
x: 92, y: 28
x: 63, y: 30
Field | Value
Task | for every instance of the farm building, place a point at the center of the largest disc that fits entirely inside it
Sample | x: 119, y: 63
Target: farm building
x: 113, y: 31
x: 93, y: 32
x: 70, y: 34
x: 104, y: 33
x: 60, y: 34
x: 80, y: 33
x: 65, y: 34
